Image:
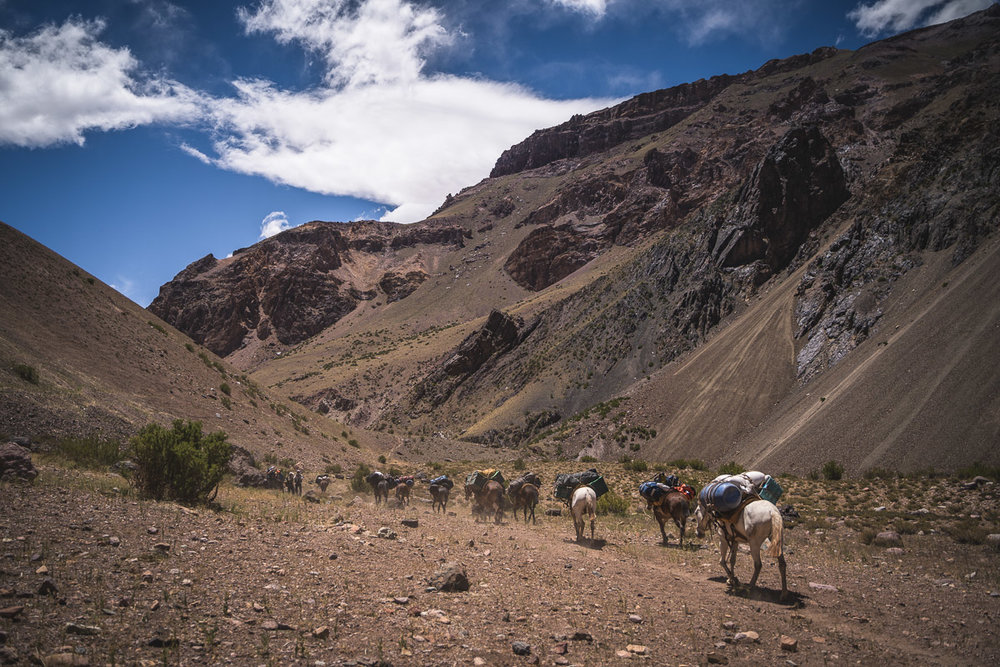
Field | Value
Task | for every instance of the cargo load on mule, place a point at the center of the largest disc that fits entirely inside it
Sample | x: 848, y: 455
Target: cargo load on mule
x: 665, y: 479
x: 653, y: 491
x: 566, y: 482
x: 479, y: 478
x: 444, y: 481
x: 526, y: 478
x: 405, y: 479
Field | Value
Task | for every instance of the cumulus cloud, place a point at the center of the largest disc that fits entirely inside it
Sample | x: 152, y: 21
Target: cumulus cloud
x: 379, y: 128
x: 61, y: 82
x: 595, y: 8
x: 892, y: 16
x: 273, y: 223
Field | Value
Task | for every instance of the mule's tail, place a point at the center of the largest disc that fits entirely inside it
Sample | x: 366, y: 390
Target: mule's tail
x: 776, y: 549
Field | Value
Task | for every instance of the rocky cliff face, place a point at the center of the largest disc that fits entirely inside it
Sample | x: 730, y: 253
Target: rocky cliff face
x: 293, y: 285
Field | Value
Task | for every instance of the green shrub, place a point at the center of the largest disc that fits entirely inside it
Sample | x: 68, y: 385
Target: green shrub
x: 227, y: 403
x: 180, y: 464
x: 381, y: 458
x: 354, y: 443
x: 395, y: 472
x: 226, y: 389
x: 832, y: 470
x: 612, y: 503
x: 26, y: 373
x: 637, y: 465
x: 333, y: 469
x: 967, y: 531
x: 90, y: 452
x: 358, y: 483
x: 879, y: 473
x: 731, y: 468
x: 587, y: 459
x: 979, y: 469
x: 519, y: 464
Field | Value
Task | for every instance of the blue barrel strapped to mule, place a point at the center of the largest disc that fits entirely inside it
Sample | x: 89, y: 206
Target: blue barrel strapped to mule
x: 721, y: 497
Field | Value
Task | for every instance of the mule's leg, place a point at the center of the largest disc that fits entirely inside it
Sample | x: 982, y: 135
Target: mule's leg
x: 660, y: 519
x: 724, y: 561
x: 593, y: 520
x: 680, y: 528
x: 534, y: 521
x: 755, y: 554
x: 781, y: 569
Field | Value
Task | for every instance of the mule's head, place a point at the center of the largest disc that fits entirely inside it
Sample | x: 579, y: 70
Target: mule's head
x: 702, y: 519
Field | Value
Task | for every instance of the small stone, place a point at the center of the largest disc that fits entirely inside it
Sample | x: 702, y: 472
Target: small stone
x: 635, y: 618
x: 155, y: 605
x: 187, y: 582
x: 85, y: 630
x: 823, y: 587
x: 114, y: 541
x: 561, y: 661
x: 819, y: 640
x: 582, y: 636
x: 716, y: 658
x: 478, y: 662
x: 11, y: 612
x: 269, y: 625
x: 333, y: 556
x: 880, y: 508
x: 638, y: 649
x: 258, y: 607
x: 152, y: 530
x: 147, y: 576
x: 42, y: 570
x: 562, y: 648
x: 387, y: 533
x: 623, y: 654
x: 322, y: 632
x: 790, y: 644
x: 894, y: 551
x: 410, y: 523
x: 160, y: 642
x: 521, y: 648
x: 729, y: 625
x: 748, y: 637
x: 162, y: 546
x: 47, y: 587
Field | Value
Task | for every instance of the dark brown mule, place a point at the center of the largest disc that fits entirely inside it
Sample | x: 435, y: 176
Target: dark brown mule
x: 525, y: 497
x: 673, y: 505
x: 439, y: 496
x: 381, y: 491
x: 489, y: 500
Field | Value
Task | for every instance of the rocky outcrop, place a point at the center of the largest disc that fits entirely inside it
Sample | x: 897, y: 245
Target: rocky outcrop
x: 244, y: 469
x: 15, y: 463
x: 497, y: 336
x: 638, y: 117
x: 293, y: 285
x: 549, y: 254
x: 793, y: 189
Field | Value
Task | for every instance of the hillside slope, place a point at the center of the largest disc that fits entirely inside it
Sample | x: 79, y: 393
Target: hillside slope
x: 711, y: 253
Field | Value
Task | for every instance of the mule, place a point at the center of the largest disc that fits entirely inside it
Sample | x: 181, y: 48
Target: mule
x: 524, y: 497
x: 489, y: 500
x: 583, y: 503
x: 323, y: 481
x: 439, y: 496
x: 403, y: 494
x: 751, y: 525
x: 381, y: 491
x: 673, y: 505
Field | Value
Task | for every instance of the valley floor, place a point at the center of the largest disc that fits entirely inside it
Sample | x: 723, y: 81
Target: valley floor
x: 271, y: 579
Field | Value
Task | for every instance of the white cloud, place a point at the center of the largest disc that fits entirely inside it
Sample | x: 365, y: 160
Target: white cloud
x: 595, y: 8
x: 374, y: 42
x: 892, y: 16
x: 60, y: 82
x: 379, y: 128
x: 273, y: 223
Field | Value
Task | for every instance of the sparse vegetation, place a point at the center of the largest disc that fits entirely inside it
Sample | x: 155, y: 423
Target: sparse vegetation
x: 612, y: 503
x: 181, y: 463
x: 89, y: 452
x: 26, y: 373
x: 832, y: 470
x: 358, y: 483
x: 226, y: 389
x: 731, y: 468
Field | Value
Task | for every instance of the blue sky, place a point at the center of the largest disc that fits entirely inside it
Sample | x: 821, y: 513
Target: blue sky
x: 139, y: 135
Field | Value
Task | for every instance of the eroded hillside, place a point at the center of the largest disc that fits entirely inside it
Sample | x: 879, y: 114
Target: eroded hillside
x: 779, y: 215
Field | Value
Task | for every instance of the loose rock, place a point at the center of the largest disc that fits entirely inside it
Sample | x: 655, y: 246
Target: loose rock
x: 789, y: 644
x: 85, y: 630
x: 410, y: 523
x: 15, y: 463
x: 450, y: 578
x: 521, y: 648
x: 888, y: 538
x: 748, y: 637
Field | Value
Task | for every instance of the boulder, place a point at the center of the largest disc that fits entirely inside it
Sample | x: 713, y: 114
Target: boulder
x: 243, y: 467
x: 450, y: 578
x: 888, y: 538
x: 15, y: 463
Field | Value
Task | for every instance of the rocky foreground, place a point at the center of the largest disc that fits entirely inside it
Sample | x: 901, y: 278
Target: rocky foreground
x: 91, y: 575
